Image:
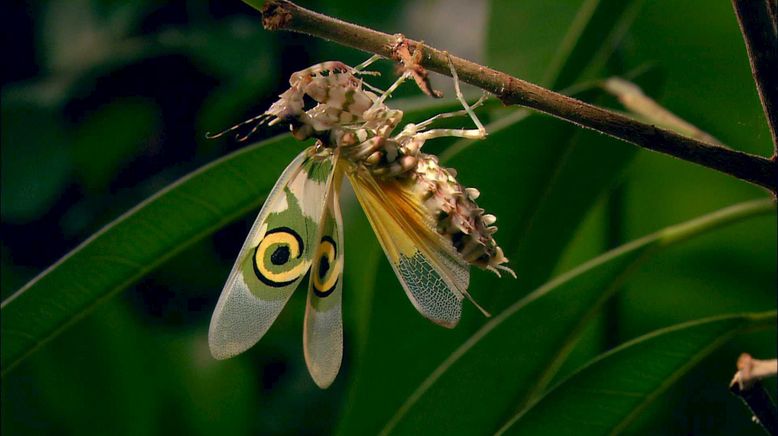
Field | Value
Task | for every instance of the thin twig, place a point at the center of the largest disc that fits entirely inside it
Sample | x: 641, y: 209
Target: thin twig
x: 747, y: 386
x: 758, y: 21
x: 284, y: 15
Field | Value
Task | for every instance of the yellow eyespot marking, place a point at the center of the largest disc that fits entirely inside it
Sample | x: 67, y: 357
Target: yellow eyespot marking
x: 277, y: 258
x: 327, y: 266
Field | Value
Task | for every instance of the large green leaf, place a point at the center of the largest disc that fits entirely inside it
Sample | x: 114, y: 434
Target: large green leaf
x: 539, y: 177
x: 136, y: 242
x: 99, y: 382
x: 606, y: 395
x: 511, y: 359
x: 549, y: 196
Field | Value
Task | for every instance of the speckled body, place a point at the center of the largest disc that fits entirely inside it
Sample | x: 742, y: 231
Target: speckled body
x: 347, y: 117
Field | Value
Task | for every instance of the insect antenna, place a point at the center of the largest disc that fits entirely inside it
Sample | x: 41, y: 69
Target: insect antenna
x: 259, y: 119
x: 253, y: 130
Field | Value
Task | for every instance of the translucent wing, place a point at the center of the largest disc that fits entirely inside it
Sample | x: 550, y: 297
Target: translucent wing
x: 433, y: 274
x: 276, y: 255
x: 323, y: 330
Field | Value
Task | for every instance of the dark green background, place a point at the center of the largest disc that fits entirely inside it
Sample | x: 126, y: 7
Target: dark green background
x: 105, y: 103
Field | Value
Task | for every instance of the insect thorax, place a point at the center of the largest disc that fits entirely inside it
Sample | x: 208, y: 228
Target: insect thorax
x: 348, y: 117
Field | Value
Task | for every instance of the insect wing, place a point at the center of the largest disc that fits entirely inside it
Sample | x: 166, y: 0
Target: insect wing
x: 323, y: 330
x: 433, y: 274
x: 276, y: 255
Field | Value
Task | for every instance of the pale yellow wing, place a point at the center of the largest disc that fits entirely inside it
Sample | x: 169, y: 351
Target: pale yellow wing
x: 323, y: 329
x: 435, y: 277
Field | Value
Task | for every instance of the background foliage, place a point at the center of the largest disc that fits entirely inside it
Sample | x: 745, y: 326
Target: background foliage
x: 106, y: 103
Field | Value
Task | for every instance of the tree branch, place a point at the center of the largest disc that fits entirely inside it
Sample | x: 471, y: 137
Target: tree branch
x: 758, y: 20
x: 284, y: 15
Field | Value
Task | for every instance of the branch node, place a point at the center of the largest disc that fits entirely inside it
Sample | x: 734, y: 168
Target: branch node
x: 411, y: 63
x: 276, y: 14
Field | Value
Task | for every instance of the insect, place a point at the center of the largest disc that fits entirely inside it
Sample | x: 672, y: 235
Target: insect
x: 429, y: 226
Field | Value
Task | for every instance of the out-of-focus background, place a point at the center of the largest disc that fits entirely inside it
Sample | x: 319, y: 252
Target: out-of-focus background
x: 105, y: 103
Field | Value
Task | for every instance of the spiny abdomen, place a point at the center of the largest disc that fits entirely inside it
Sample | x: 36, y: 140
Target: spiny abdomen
x: 456, y: 214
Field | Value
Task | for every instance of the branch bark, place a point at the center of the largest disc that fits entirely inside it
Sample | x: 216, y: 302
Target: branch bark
x: 285, y: 15
x: 758, y: 20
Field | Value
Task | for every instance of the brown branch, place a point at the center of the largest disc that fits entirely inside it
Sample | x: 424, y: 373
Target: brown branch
x: 284, y: 15
x: 758, y: 21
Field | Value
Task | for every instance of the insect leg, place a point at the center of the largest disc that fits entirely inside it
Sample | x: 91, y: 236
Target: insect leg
x: 371, y: 87
x: 462, y: 100
x: 458, y: 113
x: 366, y: 64
x: 390, y: 90
x: 457, y: 133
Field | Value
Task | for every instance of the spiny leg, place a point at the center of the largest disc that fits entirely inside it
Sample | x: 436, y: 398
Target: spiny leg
x: 479, y: 133
x: 366, y: 64
x: 456, y: 133
x: 462, y: 100
x: 458, y: 113
x: 390, y: 90
x: 375, y: 89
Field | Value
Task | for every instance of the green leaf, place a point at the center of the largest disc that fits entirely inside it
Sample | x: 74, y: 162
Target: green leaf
x: 92, y: 379
x: 512, y: 358
x: 535, y: 174
x: 555, y: 43
x: 548, y: 195
x: 136, y: 242
x: 606, y: 395
x: 213, y: 397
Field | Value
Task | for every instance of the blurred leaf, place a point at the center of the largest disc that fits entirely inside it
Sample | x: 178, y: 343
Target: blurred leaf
x: 134, y: 243
x: 79, y: 40
x: 552, y: 43
x: 498, y: 369
x: 110, y: 137
x: 594, y: 36
x: 99, y: 382
x: 211, y: 396
x: 229, y: 49
x: 82, y: 33
x: 609, y: 393
x: 35, y: 162
x: 524, y: 41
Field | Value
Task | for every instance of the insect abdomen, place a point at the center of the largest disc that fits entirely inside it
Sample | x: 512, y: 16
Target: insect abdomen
x: 456, y: 214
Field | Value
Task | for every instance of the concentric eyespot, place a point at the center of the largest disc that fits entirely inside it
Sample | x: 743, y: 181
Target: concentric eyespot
x: 278, y: 259
x: 326, y: 268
